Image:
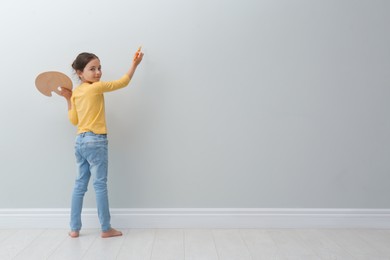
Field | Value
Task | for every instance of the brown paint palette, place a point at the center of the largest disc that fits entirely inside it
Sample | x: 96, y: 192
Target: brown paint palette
x: 51, y: 81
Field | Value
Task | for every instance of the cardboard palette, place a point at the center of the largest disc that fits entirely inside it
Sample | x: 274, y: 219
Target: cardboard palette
x: 51, y: 81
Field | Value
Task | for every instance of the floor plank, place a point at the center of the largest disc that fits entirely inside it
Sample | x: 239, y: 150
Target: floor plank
x: 17, y: 242
x: 75, y: 248
x: 323, y: 246
x: 230, y: 245
x: 168, y: 245
x: 105, y: 248
x: 353, y: 244
x: 5, y: 233
x: 260, y: 244
x: 42, y: 246
x: 199, y: 245
x: 290, y: 245
x: 137, y: 245
x: 379, y: 239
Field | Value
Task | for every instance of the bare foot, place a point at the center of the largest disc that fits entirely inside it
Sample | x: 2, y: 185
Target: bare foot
x: 74, y: 234
x: 111, y: 233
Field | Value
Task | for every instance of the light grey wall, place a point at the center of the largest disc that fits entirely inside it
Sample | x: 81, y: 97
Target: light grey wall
x: 254, y: 103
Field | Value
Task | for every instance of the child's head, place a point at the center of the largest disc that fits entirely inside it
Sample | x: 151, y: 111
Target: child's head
x: 82, y: 60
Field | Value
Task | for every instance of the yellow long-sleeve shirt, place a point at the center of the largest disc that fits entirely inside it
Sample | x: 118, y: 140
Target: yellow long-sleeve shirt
x: 87, y: 101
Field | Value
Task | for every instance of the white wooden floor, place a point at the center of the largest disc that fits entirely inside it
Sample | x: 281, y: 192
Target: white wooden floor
x: 197, y: 244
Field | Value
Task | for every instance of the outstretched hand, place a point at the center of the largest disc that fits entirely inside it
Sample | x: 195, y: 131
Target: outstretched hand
x: 136, y: 61
x: 138, y: 57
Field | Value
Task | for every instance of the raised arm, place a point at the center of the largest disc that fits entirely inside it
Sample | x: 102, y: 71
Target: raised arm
x: 136, y: 61
x: 107, y: 86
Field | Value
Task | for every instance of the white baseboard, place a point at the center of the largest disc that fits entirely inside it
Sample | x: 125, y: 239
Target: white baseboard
x: 203, y: 218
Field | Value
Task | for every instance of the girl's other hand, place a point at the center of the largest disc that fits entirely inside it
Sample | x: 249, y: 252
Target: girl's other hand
x: 66, y: 93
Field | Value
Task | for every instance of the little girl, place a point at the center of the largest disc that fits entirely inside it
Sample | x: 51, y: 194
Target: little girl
x: 86, y: 110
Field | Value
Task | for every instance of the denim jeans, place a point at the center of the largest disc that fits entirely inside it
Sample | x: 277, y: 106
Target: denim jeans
x: 92, y: 160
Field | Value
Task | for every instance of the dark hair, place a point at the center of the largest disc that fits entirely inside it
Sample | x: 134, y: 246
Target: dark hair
x: 82, y: 60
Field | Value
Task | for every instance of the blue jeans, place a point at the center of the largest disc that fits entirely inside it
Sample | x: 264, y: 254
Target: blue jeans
x: 92, y: 159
